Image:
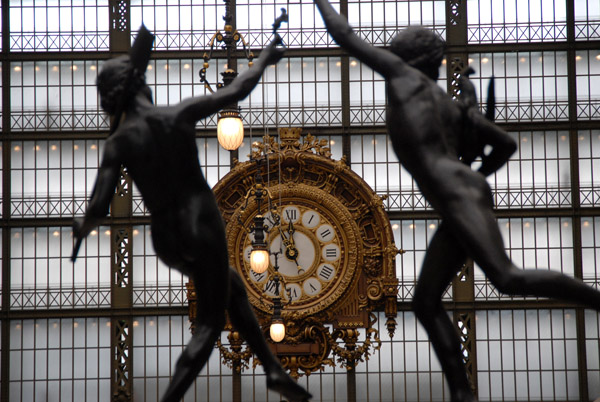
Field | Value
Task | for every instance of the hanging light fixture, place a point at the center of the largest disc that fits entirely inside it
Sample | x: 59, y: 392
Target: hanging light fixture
x: 277, y: 329
x: 259, y: 256
x: 230, y: 129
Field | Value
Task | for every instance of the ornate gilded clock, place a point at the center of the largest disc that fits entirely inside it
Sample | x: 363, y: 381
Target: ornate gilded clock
x: 328, y: 235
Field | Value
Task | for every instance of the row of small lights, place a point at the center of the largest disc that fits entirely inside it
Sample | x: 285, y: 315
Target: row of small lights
x: 353, y: 63
x: 432, y: 226
x: 53, y: 147
x: 76, y: 324
x: 94, y: 232
x: 395, y: 226
x: 17, y: 148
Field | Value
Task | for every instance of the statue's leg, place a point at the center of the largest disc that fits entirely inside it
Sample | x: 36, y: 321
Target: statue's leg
x: 474, y: 225
x: 243, y: 319
x: 444, y: 258
x: 212, y: 294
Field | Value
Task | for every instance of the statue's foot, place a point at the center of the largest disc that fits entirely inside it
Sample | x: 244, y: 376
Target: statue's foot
x: 285, y: 385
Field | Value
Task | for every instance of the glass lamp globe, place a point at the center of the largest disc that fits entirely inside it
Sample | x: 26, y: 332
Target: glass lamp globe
x: 277, y: 331
x: 230, y: 130
x: 259, y: 260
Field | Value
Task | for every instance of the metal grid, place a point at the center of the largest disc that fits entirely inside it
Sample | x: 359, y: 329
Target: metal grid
x: 592, y: 334
x: 505, y: 21
x: 60, y: 359
x: 43, y: 277
x: 374, y: 160
x: 587, y: 64
x: 589, y: 167
x: 527, y: 355
x: 537, y: 175
x: 532, y: 243
x: 412, y: 236
x: 59, y: 26
x: 539, y: 111
x: 587, y: 20
x: 157, y: 343
x: 55, y: 96
x: 530, y: 86
x: 304, y: 30
x: 590, y: 250
x: 154, y: 284
x: 52, y: 178
x: 404, y: 369
x: 299, y: 91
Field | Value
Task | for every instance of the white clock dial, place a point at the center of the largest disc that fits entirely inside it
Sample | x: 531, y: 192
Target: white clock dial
x: 293, y: 291
x: 326, y: 272
x: 312, y: 286
x: 331, y: 252
x: 311, y: 219
x: 305, y: 259
x: 269, y: 220
x: 290, y: 213
x: 247, y: 252
x: 270, y: 288
x: 258, y: 278
x: 325, y: 233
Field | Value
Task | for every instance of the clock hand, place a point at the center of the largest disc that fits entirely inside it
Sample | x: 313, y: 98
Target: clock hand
x: 294, y: 254
x: 291, y: 232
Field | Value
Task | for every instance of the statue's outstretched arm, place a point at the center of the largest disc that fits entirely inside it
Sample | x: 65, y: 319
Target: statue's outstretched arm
x: 104, y: 189
x: 194, y: 109
x: 384, y: 62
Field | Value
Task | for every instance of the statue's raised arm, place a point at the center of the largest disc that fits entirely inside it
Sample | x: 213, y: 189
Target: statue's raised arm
x: 380, y: 60
x: 194, y: 109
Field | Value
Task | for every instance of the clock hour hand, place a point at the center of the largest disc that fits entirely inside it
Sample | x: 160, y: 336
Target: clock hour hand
x: 291, y: 252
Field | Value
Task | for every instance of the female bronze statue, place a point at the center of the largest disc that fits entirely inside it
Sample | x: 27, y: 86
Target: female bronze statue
x: 157, y: 146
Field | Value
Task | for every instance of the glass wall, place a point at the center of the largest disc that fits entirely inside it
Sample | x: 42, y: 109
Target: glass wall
x: 57, y: 336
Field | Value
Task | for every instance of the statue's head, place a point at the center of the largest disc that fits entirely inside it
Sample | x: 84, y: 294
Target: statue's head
x: 421, y: 48
x: 116, y: 81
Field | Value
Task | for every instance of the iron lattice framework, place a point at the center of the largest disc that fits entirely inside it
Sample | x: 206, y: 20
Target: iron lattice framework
x: 53, y: 132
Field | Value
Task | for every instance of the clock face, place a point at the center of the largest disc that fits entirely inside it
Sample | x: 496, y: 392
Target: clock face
x: 313, y: 249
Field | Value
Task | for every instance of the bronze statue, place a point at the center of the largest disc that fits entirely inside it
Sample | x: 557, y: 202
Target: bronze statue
x: 157, y: 146
x: 436, y: 139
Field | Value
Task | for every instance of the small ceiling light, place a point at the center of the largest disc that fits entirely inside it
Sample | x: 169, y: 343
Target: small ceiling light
x: 230, y: 129
x: 259, y: 260
x: 277, y: 330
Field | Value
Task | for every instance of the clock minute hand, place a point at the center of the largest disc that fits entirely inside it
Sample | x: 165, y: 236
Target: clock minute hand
x: 291, y: 251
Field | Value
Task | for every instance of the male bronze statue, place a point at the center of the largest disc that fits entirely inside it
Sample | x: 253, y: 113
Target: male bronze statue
x: 157, y: 146
x: 436, y: 139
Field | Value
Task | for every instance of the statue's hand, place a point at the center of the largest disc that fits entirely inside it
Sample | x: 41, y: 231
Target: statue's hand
x: 78, y: 235
x: 273, y: 53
